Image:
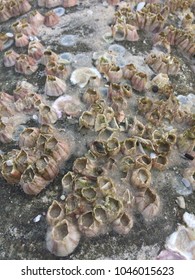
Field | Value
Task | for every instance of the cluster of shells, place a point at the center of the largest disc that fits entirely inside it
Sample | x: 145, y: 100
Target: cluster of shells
x: 114, y: 178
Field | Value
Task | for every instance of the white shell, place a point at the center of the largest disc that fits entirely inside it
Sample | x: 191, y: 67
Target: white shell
x: 82, y: 75
x: 189, y: 219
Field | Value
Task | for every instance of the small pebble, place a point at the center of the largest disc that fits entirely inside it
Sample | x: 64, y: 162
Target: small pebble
x: 188, y: 156
x: 37, y: 219
x: 181, y: 202
x: 155, y: 88
x: 62, y: 197
x: 186, y: 183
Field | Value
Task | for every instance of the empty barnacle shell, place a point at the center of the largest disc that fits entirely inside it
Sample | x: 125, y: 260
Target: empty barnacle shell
x: 143, y: 161
x: 62, y: 238
x: 91, y: 95
x: 35, y: 50
x: 126, y: 90
x: 89, y: 193
x: 58, y: 149
x: 73, y: 205
x: 55, y: 213
x: 23, y: 159
x: 51, y: 19
x: 82, y: 76
x: 28, y: 137
x: 47, y: 167
x: 67, y: 182
x: 35, y: 18
x: 103, y: 64
x: 106, y: 185
x: 54, y: 86
x: 131, y: 33
x: 114, y: 74
x: 128, y: 146
x: 162, y: 147
x: 137, y: 129
x: 160, y: 162
x: 141, y: 178
x: 127, y: 163
x: 6, y: 132
x: 100, y: 122
x: 87, y: 120
x: 47, y: 115
x: 88, y: 224
x: 98, y: 148
x: 99, y: 212
x: 48, y: 56
x: 80, y: 165
x: 9, y: 58
x: 105, y: 134
x: 154, y: 116
x: 4, y: 13
x: 31, y: 182
x: 98, y: 107
x: 113, y: 146
x: 119, y: 32
x: 123, y: 223
x: 25, y: 64
x: 114, y: 207
x: 138, y: 81
x: 114, y: 90
x: 81, y: 182
x: 10, y: 172
x: 148, y: 203
x: 171, y: 137
x: 60, y: 69
x: 145, y: 104
x: 69, y: 3
x: 161, y: 81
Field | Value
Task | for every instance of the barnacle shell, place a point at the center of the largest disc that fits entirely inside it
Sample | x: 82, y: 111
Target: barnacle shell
x: 89, y: 193
x: 99, y: 212
x: 88, y: 225
x: 48, y: 56
x: 58, y: 69
x: 67, y: 182
x: 131, y: 33
x: 31, y: 182
x: 62, y: 238
x: 128, y: 146
x: 98, y: 148
x: 123, y: 223
x: 91, y: 95
x: 100, y: 122
x: 35, y: 50
x: 87, y: 119
x: 106, y: 185
x: 55, y: 213
x: 54, y: 86
x: 113, y: 146
x: 25, y: 64
x: 9, y: 58
x: 138, y: 81
x: 119, y: 32
x: 127, y: 163
x: 47, y: 167
x: 69, y: 3
x: 51, y: 19
x: 143, y: 161
x: 114, y: 74
x: 129, y: 70
x: 10, y: 172
x: 24, y: 158
x: 141, y: 178
x: 82, y: 76
x: 47, y: 115
x: 35, y: 18
x: 114, y: 207
x: 148, y: 203
x: 28, y: 137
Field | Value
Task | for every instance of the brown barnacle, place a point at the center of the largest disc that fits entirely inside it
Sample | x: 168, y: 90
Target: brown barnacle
x: 35, y: 50
x: 62, y: 238
x: 119, y: 103
x: 91, y: 95
x: 100, y: 122
x: 138, y: 81
x: 113, y: 146
x: 114, y: 207
x: 47, y: 167
x: 131, y: 33
x: 98, y: 148
x: 55, y: 213
x: 141, y: 178
x: 162, y: 82
x: 103, y: 64
x: 190, y: 133
x: 145, y: 104
x: 119, y: 32
x: 114, y: 90
x: 126, y: 90
x: 88, y: 224
x: 25, y: 64
x: 58, y: 149
x: 143, y: 161
x: 109, y: 113
x: 160, y: 162
x: 31, y: 182
x: 10, y: 172
x: 127, y: 163
x: 58, y: 69
x: 6, y: 132
x: 189, y: 174
x: 73, y: 204
x: 89, y: 193
x: 123, y: 224
x: 48, y: 57
x: 87, y: 120
x: 114, y: 74
x: 128, y: 71
x: 154, y: 116
x: 150, y: 19
x: 98, y: 107
x: 24, y: 6
x: 137, y: 129
x: 105, y: 134
x: 28, y: 29
x: 140, y: 19
x: 67, y: 182
x: 13, y: 8
x: 35, y: 18
x: 157, y: 23
x: 80, y: 165
x: 23, y: 159
x: 185, y: 144
x: 80, y: 182
x: 47, y: 129
x: 148, y: 203
x: 171, y: 137
x: 99, y: 212
x: 156, y: 135
x: 47, y: 115
x: 54, y: 86
x: 106, y: 185
x: 51, y: 19
x: 4, y: 13
x: 28, y: 137
x: 162, y: 146
x: 9, y: 58
x: 129, y: 146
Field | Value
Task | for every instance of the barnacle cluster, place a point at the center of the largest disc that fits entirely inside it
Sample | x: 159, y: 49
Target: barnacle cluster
x: 136, y: 120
